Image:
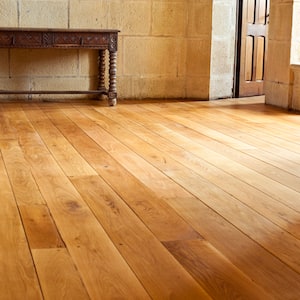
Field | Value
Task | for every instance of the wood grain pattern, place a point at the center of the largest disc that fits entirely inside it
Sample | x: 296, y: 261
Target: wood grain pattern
x: 219, y: 276
x: 256, y: 172
x: 24, y: 186
x: 40, y: 228
x: 83, y: 235
x: 213, y: 196
x: 143, y: 252
x: 68, y: 158
x: 149, y: 200
x: 18, y: 278
x: 58, y: 276
x: 249, y: 195
x: 157, y: 214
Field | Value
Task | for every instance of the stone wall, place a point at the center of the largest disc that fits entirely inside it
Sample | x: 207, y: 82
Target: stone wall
x: 164, y: 46
x: 277, y: 75
x: 223, y: 48
x: 294, y: 95
x: 295, y: 51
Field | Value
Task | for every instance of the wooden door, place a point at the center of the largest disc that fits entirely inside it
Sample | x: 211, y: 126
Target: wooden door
x: 253, y: 47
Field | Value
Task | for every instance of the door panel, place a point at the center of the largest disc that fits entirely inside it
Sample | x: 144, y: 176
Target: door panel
x: 248, y: 58
x: 259, y: 74
x: 253, y: 47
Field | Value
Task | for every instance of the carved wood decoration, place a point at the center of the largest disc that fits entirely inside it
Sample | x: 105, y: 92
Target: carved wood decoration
x: 103, y: 40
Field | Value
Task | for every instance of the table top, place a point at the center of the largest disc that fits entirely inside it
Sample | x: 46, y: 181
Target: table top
x: 84, y: 30
x: 58, y: 38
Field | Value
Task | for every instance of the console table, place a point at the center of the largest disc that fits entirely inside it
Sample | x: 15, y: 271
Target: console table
x: 38, y: 38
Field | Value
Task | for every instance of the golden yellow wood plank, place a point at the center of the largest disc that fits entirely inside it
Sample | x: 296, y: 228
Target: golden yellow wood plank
x: 67, y: 157
x: 157, y: 270
x: 177, y: 149
x: 102, y: 268
x: 58, y: 276
x: 6, y: 130
x: 275, y: 211
x: 274, y: 122
x: 40, y: 228
x: 131, y: 160
x: 188, y: 207
x: 190, y: 157
x: 250, y: 132
x: 15, y: 115
x: 269, y: 179
x: 215, y: 272
x: 238, y: 213
x: 269, y: 134
x: 258, y: 113
x: 230, y: 160
x: 272, y: 160
x: 254, y: 261
x: 24, y: 186
x: 259, y: 116
x: 104, y: 271
x: 277, y: 240
x: 18, y: 279
x: 157, y: 214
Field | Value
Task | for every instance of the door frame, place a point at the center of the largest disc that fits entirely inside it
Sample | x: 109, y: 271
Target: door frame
x: 238, y: 47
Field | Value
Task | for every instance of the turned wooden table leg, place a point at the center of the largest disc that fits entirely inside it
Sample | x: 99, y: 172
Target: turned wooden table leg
x: 101, y: 70
x: 112, y: 92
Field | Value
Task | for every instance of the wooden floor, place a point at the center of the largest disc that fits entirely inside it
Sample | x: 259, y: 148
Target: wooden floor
x: 149, y: 200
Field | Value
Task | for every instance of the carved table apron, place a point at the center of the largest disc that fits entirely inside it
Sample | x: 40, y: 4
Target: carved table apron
x: 100, y: 40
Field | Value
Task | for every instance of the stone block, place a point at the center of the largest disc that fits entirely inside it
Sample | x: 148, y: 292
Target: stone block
x: 152, y: 56
x: 47, y: 83
x: 46, y: 14
x: 61, y: 84
x: 124, y: 87
x: 9, y: 13
x: 278, y: 62
x: 197, y: 87
x: 294, y: 100
x: 277, y: 93
x: 120, y: 63
x: 295, y: 50
x: 199, y: 18
x: 131, y: 17
x: 198, y: 57
x: 44, y: 62
x: 15, y: 83
x: 219, y: 87
x: 158, y: 87
x: 88, y: 62
x: 281, y: 15
x: 89, y: 14
x: 223, y: 57
x: 169, y: 18
x: 223, y: 19
x: 295, y: 75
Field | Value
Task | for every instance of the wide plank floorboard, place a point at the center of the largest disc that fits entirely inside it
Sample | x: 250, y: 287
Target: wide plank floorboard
x: 161, y: 199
